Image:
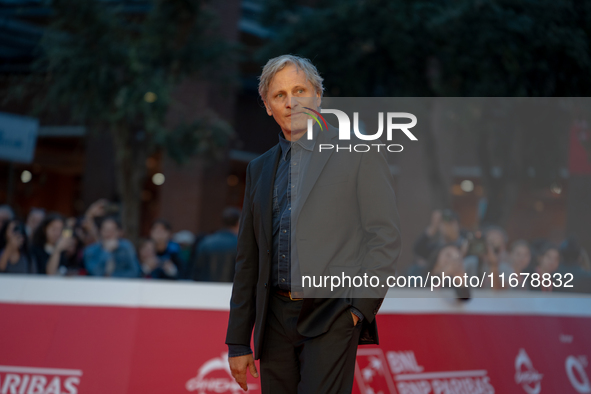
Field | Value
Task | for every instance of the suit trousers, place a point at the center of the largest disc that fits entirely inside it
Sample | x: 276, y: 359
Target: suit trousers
x: 291, y: 363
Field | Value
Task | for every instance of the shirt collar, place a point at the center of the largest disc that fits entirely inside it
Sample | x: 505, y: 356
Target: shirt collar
x: 284, y: 144
x: 303, y: 142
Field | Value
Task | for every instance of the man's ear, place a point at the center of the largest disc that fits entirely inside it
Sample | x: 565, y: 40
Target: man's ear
x: 318, y: 100
x: 268, y: 108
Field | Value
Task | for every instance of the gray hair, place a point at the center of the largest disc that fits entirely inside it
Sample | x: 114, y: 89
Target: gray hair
x: 277, y: 64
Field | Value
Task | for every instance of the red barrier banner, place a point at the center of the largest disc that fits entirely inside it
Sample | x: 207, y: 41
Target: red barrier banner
x: 126, y: 337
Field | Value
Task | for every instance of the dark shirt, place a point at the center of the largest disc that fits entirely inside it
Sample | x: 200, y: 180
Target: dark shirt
x: 285, y: 194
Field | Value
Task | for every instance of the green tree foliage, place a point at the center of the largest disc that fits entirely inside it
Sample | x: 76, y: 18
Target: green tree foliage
x: 115, y: 71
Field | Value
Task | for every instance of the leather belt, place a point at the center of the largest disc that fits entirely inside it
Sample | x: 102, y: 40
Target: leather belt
x: 294, y: 296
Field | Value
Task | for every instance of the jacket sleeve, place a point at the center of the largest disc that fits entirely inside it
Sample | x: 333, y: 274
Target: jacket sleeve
x: 381, y: 224
x: 242, y: 303
x: 238, y: 350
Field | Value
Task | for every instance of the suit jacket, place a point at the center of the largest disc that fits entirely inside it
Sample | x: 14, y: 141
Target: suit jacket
x: 346, y: 222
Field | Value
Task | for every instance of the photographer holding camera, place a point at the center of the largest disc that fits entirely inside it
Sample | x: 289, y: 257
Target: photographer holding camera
x: 488, y: 254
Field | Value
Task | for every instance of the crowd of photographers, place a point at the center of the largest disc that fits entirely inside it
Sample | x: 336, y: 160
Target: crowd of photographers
x: 47, y: 243
x: 443, y: 247
x: 93, y: 244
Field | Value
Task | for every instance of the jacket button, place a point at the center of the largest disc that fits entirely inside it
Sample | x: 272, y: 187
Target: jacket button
x: 268, y: 251
x: 265, y: 285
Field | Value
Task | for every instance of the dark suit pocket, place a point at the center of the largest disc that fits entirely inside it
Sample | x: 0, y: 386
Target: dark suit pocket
x: 347, y: 319
x: 366, y: 337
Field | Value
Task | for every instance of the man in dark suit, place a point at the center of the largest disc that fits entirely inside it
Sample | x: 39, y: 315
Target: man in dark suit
x: 308, y: 212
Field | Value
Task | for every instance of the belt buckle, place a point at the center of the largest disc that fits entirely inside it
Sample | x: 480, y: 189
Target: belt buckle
x: 294, y: 299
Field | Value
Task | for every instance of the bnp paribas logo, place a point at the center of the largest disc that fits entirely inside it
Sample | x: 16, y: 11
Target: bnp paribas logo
x: 393, y: 124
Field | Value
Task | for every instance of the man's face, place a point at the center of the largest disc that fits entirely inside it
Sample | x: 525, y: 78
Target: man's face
x: 287, y: 84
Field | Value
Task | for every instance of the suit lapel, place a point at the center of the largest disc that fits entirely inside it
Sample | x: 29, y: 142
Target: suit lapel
x: 266, y: 191
x: 317, y: 163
